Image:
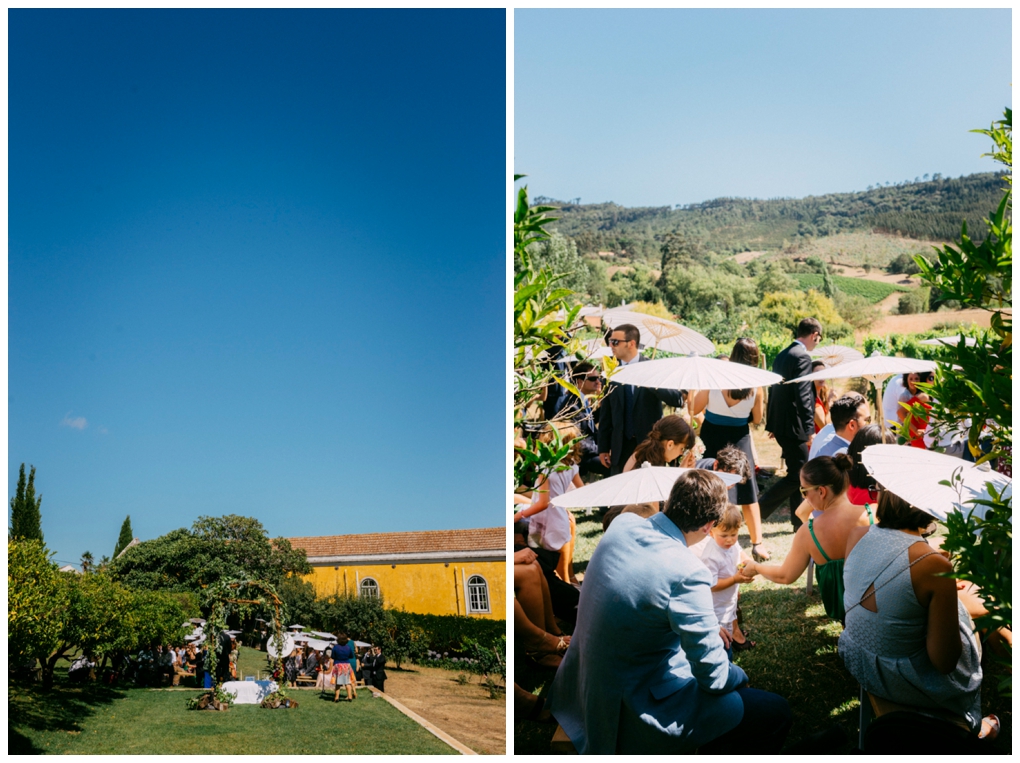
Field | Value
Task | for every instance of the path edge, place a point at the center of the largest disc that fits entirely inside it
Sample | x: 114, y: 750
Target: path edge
x: 429, y: 727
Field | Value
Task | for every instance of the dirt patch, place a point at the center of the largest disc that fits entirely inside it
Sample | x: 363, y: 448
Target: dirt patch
x: 614, y: 269
x: 907, y: 324
x: 745, y: 257
x: 464, y: 712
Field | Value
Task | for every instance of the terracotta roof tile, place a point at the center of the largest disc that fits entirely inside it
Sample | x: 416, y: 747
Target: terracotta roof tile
x: 488, y: 538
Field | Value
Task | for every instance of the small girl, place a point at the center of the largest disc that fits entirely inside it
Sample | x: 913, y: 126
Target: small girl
x: 551, y: 529
x: 724, y: 559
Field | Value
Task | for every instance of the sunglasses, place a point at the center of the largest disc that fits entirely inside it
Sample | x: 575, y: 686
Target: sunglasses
x: 593, y: 379
x: 805, y: 490
x: 614, y: 342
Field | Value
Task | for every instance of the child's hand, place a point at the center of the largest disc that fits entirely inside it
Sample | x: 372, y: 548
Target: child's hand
x: 747, y: 570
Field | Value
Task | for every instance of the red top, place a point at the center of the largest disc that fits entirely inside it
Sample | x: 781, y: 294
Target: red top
x: 917, y: 425
x: 819, y: 402
x: 858, y: 496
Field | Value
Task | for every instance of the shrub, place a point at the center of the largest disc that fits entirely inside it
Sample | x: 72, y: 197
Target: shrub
x: 915, y: 301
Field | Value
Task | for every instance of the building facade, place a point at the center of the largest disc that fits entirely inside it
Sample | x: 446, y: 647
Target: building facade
x: 435, y: 572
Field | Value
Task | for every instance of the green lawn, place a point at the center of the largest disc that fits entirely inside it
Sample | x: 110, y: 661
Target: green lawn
x: 98, y: 720
x: 795, y: 656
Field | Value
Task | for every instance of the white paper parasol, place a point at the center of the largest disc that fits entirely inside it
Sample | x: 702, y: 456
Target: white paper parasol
x: 317, y: 645
x: 648, y: 483
x: 876, y: 369
x: 661, y: 334
x: 288, y: 647
x: 322, y: 635
x: 952, y: 341
x: 834, y: 354
x: 914, y: 474
x: 694, y: 373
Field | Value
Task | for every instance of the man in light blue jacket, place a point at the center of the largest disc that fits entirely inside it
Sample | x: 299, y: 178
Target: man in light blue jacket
x: 646, y: 671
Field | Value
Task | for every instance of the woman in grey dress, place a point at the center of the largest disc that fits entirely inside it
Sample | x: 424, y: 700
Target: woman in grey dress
x: 908, y: 637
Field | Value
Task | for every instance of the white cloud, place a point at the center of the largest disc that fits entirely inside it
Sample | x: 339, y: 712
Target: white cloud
x: 78, y: 422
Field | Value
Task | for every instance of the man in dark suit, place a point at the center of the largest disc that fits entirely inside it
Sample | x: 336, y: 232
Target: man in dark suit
x: 791, y: 421
x: 588, y: 380
x: 628, y: 413
x: 378, y: 669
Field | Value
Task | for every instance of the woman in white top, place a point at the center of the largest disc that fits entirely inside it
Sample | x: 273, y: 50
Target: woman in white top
x: 551, y: 528
x: 728, y: 414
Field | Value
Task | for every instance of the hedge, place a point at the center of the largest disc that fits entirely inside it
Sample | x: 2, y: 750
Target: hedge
x: 445, y: 633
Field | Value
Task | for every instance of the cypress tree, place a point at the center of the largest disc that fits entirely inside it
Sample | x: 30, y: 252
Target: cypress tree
x: 26, y: 519
x: 126, y: 536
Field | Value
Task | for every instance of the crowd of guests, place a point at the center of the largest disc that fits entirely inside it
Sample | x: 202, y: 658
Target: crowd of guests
x: 338, y: 666
x: 649, y: 666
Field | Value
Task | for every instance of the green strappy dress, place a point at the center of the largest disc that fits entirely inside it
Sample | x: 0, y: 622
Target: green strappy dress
x: 830, y: 574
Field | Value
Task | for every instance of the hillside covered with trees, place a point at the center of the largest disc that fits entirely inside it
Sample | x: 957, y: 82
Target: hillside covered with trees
x: 928, y: 209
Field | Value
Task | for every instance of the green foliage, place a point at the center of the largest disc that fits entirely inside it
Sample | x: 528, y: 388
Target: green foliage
x: 407, y: 640
x: 785, y: 310
x: 544, y: 314
x: 558, y: 254
x: 446, y: 633
x: 775, y: 279
x: 34, y: 593
x: 856, y: 310
x: 489, y: 658
x: 906, y: 264
x: 125, y: 537
x: 973, y: 386
x: 914, y: 301
x: 636, y: 283
x: 930, y: 210
x: 215, y: 549
x: 26, y: 518
x: 873, y: 291
x: 363, y: 618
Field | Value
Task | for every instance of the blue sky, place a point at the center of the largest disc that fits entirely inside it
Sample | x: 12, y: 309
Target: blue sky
x: 257, y: 267
x: 657, y: 107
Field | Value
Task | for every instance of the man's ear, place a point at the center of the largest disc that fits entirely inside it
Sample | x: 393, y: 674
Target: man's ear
x: 707, y: 528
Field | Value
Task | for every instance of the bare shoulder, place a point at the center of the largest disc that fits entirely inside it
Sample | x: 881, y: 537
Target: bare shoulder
x: 929, y: 562
x: 855, y: 534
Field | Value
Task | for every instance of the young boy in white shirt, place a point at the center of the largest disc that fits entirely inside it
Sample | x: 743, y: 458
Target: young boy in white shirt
x: 725, y: 559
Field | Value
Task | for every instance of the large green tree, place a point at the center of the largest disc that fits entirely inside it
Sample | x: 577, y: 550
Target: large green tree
x: 126, y: 536
x: 26, y: 517
x: 214, y: 549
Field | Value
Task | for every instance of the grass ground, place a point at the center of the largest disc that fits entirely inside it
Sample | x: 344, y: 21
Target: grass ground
x: 81, y: 720
x: 796, y: 654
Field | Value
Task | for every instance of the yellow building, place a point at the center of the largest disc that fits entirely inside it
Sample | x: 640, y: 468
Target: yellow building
x: 435, y: 572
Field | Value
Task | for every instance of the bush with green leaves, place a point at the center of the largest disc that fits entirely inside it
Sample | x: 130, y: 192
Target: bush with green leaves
x: 914, y: 301
x: 974, y: 385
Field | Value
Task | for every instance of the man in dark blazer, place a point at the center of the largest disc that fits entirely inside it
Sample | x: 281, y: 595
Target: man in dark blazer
x: 628, y: 413
x: 791, y: 417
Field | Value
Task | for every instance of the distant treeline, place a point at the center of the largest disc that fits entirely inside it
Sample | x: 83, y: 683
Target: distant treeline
x: 930, y: 209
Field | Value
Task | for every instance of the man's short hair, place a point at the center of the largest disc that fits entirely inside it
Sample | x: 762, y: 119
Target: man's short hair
x: 844, y: 410
x: 697, y: 497
x: 631, y: 333
x: 581, y: 369
x: 733, y: 460
x: 808, y: 326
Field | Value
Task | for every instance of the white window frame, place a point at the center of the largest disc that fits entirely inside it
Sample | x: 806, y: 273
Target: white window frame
x: 484, y: 586
x: 375, y: 583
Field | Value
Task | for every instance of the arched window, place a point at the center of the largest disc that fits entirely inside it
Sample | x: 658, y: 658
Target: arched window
x: 369, y: 588
x: 478, y: 594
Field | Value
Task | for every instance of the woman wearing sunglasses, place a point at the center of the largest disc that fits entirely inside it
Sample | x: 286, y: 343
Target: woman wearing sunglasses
x: 823, y: 483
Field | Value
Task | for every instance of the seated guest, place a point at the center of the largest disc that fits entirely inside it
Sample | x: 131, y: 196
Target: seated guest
x: 588, y: 381
x: 544, y: 649
x: 531, y: 590
x: 671, y: 438
x: 641, y: 509
x: 849, y: 414
x: 562, y: 596
x: 863, y: 491
x: 325, y: 671
x: 551, y: 528
x: 311, y: 666
x: 81, y: 669
x: 669, y: 688
x: 823, y: 482
x: 292, y: 666
x: 908, y: 637
x: 915, y: 425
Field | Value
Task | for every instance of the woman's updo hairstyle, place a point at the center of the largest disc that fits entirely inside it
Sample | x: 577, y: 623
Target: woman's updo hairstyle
x: 653, y: 449
x: 745, y: 352
x: 866, y: 437
x: 832, y: 472
x: 893, y: 513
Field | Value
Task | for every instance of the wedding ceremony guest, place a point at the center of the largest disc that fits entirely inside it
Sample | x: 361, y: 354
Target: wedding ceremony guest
x: 791, y: 416
x: 863, y: 489
x: 628, y: 413
x: 670, y: 438
x: 824, y: 482
x: 915, y: 424
x: 908, y: 636
x: 344, y: 665
x: 551, y: 528
x: 722, y: 556
x: 849, y: 414
x: 672, y: 689
x: 728, y: 416
x: 378, y: 669
x: 823, y: 398
x: 588, y: 381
